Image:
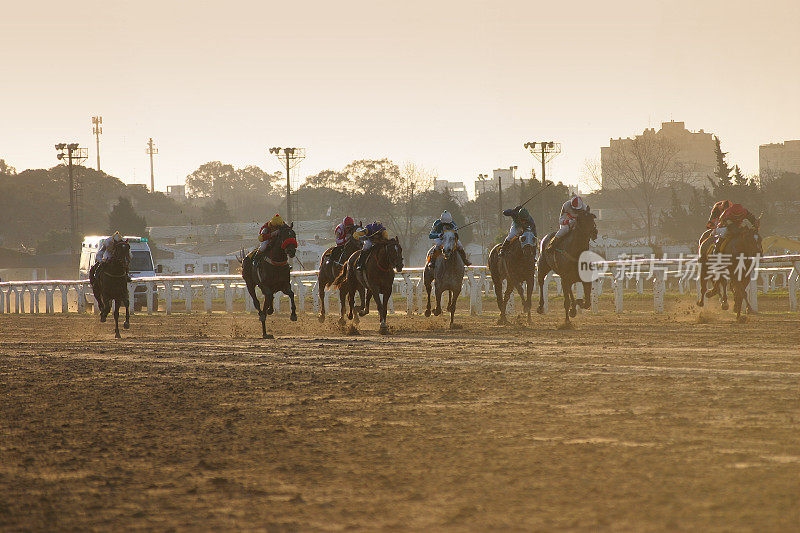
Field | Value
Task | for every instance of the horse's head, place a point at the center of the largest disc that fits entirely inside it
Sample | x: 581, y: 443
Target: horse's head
x: 527, y: 242
x: 449, y: 242
x: 587, y: 226
x: 394, y: 253
x: 121, y: 251
x: 287, y: 241
x: 750, y: 242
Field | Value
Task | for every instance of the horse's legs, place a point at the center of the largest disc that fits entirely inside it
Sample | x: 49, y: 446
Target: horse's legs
x: 127, y: 323
x: 529, y: 290
x: 497, y: 281
x: 343, y: 296
x: 541, y: 273
x: 587, y: 295
x: 427, y: 282
x: 251, y: 288
x: 723, y: 295
x: 262, y: 314
x: 381, y: 310
x: 116, y: 319
x: 321, y: 286
x: 438, y: 310
x: 290, y: 293
x: 569, y: 304
x: 365, y: 299
x: 506, y: 296
x: 701, y: 294
x: 269, y: 301
x: 451, y: 305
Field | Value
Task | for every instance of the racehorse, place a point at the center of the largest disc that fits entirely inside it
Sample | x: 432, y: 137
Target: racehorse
x: 109, y: 281
x: 271, y: 275
x: 448, y: 274
x: 329, y: 268
x: 743, y: 248
x: 516, y: 265
x: 563, y: 260
x: 704, y: 245
x: 377, y: 277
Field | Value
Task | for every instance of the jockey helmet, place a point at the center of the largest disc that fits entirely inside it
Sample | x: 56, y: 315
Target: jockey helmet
x: 276, y: 221
x: 446, y: 217
x: 116, y: 237
x: 348, y: 221
x: 577, y: 202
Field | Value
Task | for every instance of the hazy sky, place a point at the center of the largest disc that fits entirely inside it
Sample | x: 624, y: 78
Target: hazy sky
x: 455, y: 86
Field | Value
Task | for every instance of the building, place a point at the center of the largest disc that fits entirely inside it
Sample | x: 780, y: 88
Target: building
x: 776, y: 158
x: 177, y: 192
x: 502, y: 178
x: 693, y: 163
x: 457, y: 190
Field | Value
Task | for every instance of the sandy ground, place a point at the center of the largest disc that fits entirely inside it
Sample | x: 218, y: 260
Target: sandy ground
x: 636, y: 422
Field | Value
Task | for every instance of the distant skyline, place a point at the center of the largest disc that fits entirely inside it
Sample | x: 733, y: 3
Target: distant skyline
x: 456, y: 87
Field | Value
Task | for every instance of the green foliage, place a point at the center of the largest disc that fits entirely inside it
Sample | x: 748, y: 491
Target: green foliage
x: 58, y: 241
x: 124, y: 219
x: 6, y: 169
x: 215, y: 212
x: 722, y: 174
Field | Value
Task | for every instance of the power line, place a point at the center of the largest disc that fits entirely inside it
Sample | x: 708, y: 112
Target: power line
x: 151, y: 150
x: 71, y: 154
x: 97, y: 129
x: 291, y: 157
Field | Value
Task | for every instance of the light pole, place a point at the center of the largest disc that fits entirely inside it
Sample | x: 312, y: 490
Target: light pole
x: 544, y: 151
x: 151, y: 151
x: 97, y: 129
x: 291, y: 157
x: 71, y: 154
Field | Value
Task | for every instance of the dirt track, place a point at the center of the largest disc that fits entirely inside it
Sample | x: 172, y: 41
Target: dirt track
x: 627, y: 423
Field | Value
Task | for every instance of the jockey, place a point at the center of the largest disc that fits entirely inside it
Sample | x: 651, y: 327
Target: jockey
x: 733, y: 217
x: 268, y: 232
x: 521, y: 220
x: 570, y: 211
x: 372, y: 232
x: 105, y: 246
x: 716, y: 212
x: 443, y: 223
x: 343, y: 233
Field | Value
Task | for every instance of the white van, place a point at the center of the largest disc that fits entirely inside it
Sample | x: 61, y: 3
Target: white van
x: 141, y: 262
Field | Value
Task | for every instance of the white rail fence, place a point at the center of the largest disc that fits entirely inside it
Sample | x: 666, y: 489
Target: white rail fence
x: 171, y: 294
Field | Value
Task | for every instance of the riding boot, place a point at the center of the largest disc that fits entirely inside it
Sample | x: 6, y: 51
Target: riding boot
x: 501, y: 252
x: 552, y: 244
x: 362, y: 259
x: 463, y: 255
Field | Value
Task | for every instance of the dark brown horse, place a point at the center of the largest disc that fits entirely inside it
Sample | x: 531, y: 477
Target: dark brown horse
x: 377, y: 277
x: 563, y: 260
x: 271, y: 275
x: 109, y: 281
x: 515, y: 266
x: 332, y: 263
x: 742, y: 249
x: 704, y: 245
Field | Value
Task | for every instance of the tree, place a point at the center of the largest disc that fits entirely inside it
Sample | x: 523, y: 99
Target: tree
x: 215, y: 212
x: 329, y: 179
x: 722, y: 174
x: 124, y: 219
x: 738, y: 177
x: 6, y: 169
x: 640, y: 169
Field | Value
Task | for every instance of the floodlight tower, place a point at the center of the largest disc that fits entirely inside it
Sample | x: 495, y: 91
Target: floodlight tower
x: 97, y: 129
x: 291, y: 157
x: 71, y: 154
x: 151, y: 151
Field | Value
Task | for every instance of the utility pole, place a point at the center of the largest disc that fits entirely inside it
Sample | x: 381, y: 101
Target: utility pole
x: 151, y: 150
x: 291, y: 157
x: 97, y: 129
x: 544, y: 151
x: 71, y: 154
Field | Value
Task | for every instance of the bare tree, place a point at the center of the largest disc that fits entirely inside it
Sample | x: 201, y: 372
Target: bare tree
x: 411, y: 182
x: 640, y: 168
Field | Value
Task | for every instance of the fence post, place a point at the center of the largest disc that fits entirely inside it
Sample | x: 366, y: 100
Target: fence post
x: 207, y: 301
x: 315, y: 296
x: 226, y: 288
x: 792, y: 285
x: 2, y: 301
x: 546, y: 292
x: 618, y: 284
x: 409, y: 288
x: 659, y: 288
x: 597, y: 291
x: 420, y: 294
x: 168, y: 297
x: 300, y: 295
x: 752, y: 294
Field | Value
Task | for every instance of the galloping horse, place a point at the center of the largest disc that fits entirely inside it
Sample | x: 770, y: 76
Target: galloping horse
x: 742, y: 248
x: 272, y: 275
x: 377, y: 277
x: 448, y: 274
x: 564, y: 262
x: 516, y: 265
x: 110, y: 283
x: 704, y: 245
x: 329, y: 268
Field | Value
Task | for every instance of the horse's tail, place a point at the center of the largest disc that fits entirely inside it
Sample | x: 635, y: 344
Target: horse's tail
x: 341, y: 278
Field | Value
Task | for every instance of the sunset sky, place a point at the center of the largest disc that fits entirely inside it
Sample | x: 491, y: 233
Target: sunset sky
x: 456, y: 87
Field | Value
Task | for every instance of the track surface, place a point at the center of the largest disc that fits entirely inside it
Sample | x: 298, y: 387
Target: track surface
x: 626, y: 423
